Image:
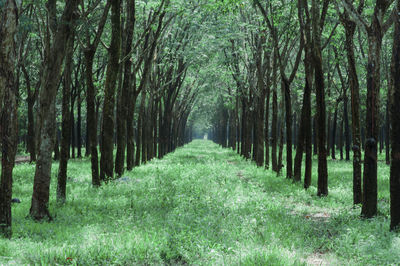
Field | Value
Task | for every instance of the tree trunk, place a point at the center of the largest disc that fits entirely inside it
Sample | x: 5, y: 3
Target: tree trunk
x: 79, y: 125
x: 341, y: 140
x: 350, y: 27
x: 387, y: 130
x: 395, y: 132
x: 51, y: 76
x: 288, y: 110
x: 320, y: 95
x: 91, y: 117
x: 31, y: 99
x: 73, y: 138
x: 8, y: 115
x: 280, y: 165
x: 66, y: 123
x: 107, y: 132
x: 306, y: 127
x: 346, y: 127
x: 333, y: 137
x: 56, y: 144
x: 370, y: 178
x: 139, y: 138
x: 301, y: 137
x: 259, y: 134
x: 315, y: 142
x: 274, y: 130
x: 122, y: 109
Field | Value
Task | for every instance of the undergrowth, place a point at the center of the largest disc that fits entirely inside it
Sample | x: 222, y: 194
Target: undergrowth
x: 200, y: 205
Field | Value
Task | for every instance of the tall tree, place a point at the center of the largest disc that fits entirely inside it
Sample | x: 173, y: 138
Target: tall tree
x: 107, y: 131
x: 122, y: 108
x: 51, y: 75
x: 66, y: 123
x: 375, y: 32
x: 91, y: 118
x: 350, y: 27
x: 318, y: 18
x: 8, y: 115
x: 395, y: 123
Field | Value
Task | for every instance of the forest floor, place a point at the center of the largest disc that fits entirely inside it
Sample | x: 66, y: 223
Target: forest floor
x: 200, y: 205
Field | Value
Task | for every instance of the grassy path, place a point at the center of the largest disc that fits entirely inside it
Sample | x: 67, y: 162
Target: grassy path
x: 199, y: 205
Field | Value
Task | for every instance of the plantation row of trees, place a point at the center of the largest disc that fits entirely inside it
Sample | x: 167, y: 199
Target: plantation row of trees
x: 333, y: 49
x: 142, y: 77
x: 119, y: 67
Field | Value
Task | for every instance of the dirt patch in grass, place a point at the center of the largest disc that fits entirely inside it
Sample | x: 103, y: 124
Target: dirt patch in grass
x: 316, y: 259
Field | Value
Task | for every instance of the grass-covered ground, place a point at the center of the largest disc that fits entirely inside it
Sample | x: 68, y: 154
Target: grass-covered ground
x: 201, y: 205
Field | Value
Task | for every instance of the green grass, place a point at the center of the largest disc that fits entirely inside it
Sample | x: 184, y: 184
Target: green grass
x: 201, y: 205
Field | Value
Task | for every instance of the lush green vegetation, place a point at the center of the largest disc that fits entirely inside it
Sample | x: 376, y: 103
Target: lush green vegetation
x: 200, y: 205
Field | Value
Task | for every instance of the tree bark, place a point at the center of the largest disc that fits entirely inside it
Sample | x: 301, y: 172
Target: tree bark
x: 91, y: 107
x: 66, y: 123
x: 395, y: 132
x: 9, y: 120
x: 122, y: 109
x: 346, y: 127
x: 350, y: 28
x: 320, y: 95
x: 51, y: 76
x: 107, y: 132
x: 79, y: 124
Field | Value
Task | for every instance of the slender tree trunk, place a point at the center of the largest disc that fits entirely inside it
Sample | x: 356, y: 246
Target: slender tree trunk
x: 31, y: 99
x: 139, y: 138
x: 266, y: 126
x: 333, y: 138
x: 259, y: 134
x: 300, y: 141
x: 307, y: 123
x: 315, y: 142
x: 66, y: 123
x: 321, y: 110
x: 107, y: 132
x: 79, y: 125
x: 346, y: 127
x: 274, y: 130
x: 341, y: 140
x: 91, y: 117
x: 328, y: 134
x: 122, y: 109
x: 288, y: 109
x: 387, y: 130
x: 294, y: 135
x: 56, y: 144
x: 350, y: 28
x: 280, y: 153
x: 73, y: 142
